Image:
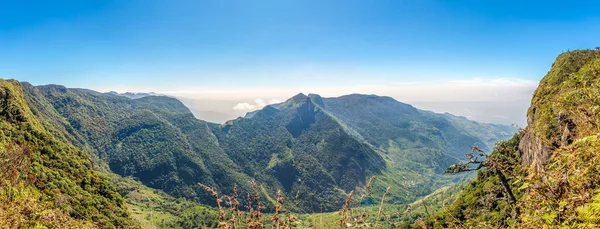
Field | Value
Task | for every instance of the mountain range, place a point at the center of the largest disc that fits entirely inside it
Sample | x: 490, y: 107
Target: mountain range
x: 311, y: 147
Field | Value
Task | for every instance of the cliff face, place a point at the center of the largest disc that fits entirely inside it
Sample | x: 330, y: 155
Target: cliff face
x: 552, y: 165
x: 565, y: 106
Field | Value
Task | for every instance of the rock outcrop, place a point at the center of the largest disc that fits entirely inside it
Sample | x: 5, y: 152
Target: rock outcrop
x: 565, y: 106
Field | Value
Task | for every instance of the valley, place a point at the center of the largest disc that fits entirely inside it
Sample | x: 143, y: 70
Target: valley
x: 315, y: 150
x: 198, y: 114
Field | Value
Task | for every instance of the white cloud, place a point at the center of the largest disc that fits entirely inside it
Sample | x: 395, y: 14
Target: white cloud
x: 258, y: 104
x: 261, y: 103
x: 244, y: 106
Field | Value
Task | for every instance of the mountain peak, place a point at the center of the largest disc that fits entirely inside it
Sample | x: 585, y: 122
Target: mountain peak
x: 299, y: 96
x: 295, y: 101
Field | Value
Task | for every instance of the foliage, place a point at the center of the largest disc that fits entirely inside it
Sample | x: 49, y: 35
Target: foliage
x: 154, y: 208
x: 567, y: 98
x: 20, y: 207
x: 63, y: 175
x: 304, y: 150
x: 363, y: 213
x: 317, y: 149
x: 564, y: 115
x: 483, y: 202
x: 154, y: 139
x: 555, y: 172
x: 565, y: 194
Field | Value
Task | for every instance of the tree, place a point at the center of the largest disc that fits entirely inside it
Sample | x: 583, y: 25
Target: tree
x: 495, y: 166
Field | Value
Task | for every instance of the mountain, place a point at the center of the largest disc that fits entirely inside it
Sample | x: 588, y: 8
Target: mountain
x: 314, y: 148
x: 409, y: 147
x: 133, y: 95
x: 385, y: 123
x: 48, y: 182
x: 153, y: 138
x: 551, y: 166
x: 299, y: 148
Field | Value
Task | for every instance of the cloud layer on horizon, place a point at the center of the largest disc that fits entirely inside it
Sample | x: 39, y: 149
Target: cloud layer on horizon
x: 488, y: 100
x: 258, y: 104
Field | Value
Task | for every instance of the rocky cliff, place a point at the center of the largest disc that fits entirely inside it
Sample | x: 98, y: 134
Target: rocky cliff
x: 565, y: 106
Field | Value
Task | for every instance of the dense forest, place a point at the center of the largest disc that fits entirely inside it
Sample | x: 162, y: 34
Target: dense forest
x: 305, y: 146
x: 46, y: 181
x: 145, y: 152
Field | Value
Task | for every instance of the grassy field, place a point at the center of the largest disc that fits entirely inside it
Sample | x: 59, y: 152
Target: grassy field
x: 390, y: 216
x: 156, y: 209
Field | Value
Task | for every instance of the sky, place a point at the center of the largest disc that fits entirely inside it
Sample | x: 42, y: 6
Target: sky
x: 224, y: 58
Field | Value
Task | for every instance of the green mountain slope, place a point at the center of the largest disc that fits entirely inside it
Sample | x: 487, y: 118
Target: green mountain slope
x: 314, y: 148
x: 154, y: 139
x: 380, y: 119
x: 418, y: 144
x: 488, y: 133
x: 552, y: 166
x: 59, y: 185
x: 415, y: 145
x: 300, y: 149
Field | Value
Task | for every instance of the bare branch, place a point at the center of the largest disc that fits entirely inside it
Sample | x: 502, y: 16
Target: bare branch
x: 472, y: 160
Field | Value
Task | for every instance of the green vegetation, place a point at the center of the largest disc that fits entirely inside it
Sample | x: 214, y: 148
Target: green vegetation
x: 53, y: 175
x: 565, y: 194
x: 392, y: 216
x: 417, y: 145
x: 307, y: 151
x: 74, y: 158
x: 553, y: 163
x: 20, y: 207
x: 484, y: 201
x: 155, y: 209
x: 67, y: 148
x: 307, y: 146
x: 154, y: 139
x: 567, y: 98
x: 358, y: 210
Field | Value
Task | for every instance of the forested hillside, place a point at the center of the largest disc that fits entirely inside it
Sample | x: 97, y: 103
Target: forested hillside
x: 315, y: 150
x: 47, y: 182
x: 154, y: 139
x: 318, y: 148
x: 300, y: 149
x: 551, y: 166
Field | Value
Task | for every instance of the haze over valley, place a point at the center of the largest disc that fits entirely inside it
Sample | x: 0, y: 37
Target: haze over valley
x: 502, y: 101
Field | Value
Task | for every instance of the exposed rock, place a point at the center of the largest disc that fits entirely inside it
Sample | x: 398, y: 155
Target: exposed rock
x: 532, y: 149
x: 563, y: 106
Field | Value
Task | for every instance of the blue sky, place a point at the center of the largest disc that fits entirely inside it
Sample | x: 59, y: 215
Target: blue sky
x: 170, y: 45
x: 330, y: 47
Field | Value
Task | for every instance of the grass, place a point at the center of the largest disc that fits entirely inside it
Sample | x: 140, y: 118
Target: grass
x: 155, y: 209
x: 359, y: 210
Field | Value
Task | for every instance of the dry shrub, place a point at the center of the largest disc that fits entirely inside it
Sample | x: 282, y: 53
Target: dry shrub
x: 20, y: 207
x: 15, y: 163
x: 252, y: 217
